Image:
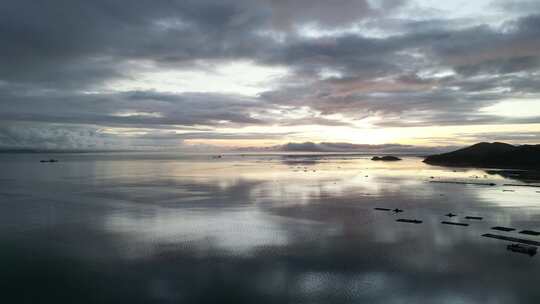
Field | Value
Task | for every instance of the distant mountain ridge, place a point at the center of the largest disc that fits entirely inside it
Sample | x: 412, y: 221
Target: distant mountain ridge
x: 340, y: 147
x: 337, y: 147
x: 492, y: 155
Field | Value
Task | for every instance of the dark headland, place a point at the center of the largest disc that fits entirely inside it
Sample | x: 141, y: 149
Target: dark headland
x: 490, y: 155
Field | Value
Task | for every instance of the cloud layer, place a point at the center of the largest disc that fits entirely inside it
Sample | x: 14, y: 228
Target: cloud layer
x: 356, y: 64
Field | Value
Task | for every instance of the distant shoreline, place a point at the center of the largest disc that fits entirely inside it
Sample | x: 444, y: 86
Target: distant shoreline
x: 235, y: 153
x: 38, y: 151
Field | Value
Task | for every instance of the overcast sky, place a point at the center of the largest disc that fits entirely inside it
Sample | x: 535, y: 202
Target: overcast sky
x: 153, y: 74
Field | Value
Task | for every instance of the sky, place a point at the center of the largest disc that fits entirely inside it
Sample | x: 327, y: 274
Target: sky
x: 201, y: 74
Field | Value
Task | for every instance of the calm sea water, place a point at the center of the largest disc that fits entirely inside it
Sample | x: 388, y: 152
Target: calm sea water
x: 159, y: 228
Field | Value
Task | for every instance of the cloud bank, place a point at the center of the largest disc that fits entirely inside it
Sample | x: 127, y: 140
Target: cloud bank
x: 112, y: 73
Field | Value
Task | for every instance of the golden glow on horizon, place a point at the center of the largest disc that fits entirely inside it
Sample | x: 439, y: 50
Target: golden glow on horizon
x: 422, y: 136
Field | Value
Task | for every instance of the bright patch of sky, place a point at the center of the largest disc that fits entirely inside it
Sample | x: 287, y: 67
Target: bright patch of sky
x: 514, y: 108
x: 460, y: 14
x: 240, y: 77
x: 428, y: 9
x: 131, y: 114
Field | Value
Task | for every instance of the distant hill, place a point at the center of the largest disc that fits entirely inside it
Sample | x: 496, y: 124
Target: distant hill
x: 490, y: 155
x: 335, y: 147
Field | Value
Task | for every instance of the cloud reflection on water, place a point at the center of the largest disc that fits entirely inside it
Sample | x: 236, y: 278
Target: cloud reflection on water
x: 251, y: 230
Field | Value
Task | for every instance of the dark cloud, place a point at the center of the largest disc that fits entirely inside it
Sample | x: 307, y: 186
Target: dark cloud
x: 56, y: 57
x: 50, y: 136
x: 53, y: 42
x: 59, y: 43
x: 490, y: 65
x: 135, y: 108
x: 40, y: 136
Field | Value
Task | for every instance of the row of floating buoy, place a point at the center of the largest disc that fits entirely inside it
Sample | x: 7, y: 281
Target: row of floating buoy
x: 524, y: 246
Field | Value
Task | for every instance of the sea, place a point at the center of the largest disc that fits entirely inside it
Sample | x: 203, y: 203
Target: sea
x: 134, y: 227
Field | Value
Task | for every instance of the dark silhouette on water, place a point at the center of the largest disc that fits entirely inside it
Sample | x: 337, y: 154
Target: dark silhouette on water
x: 454, y: 223
x: 519, y: 185
x: 511, y: 239
x: 450, y: 214
x: 382, y: 209
x: 490, y: 155
x: 409, y: 221
x: 386, y: 158
x: 463, y: 183
x: 397, y: 210
x: 474, y: 218
x: 530, y: 232
x: 48, y: 160
x: 506, y: 229
x: 530, y: 250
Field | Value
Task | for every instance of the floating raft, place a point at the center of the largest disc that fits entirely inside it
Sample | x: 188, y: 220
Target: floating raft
x: 530, y: 250
x: 511, y: 239
x: 521, y: 185
x: 382, y: 209
x: 409, y: 221
x: 463, y: 183
x: 474, y: 218
x: 502, y: 228
x: 454, y: 223
x: 530, y: 232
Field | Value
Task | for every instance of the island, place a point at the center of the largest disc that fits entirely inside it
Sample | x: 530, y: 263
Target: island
x: 490, y: 155
x: 386, y: 158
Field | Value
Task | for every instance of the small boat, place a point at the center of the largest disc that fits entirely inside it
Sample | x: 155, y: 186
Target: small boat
x: 386, y: 158
x: 530, y: 250
x: 454, y: 223
x: 506, y: 229
x: 415, y: 221
x: 479, y: 218
x: 530, y: 232
x: 48, y: 160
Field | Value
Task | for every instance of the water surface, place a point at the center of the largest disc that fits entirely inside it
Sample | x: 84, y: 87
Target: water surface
x: 163, y: 228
